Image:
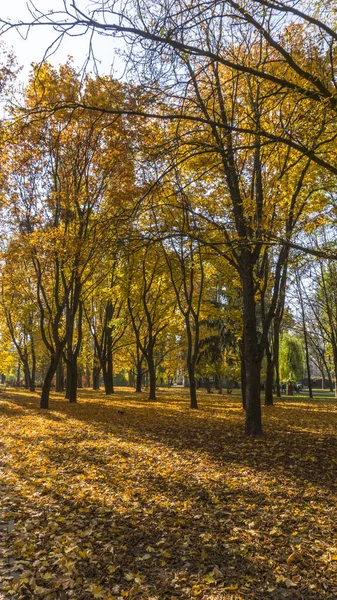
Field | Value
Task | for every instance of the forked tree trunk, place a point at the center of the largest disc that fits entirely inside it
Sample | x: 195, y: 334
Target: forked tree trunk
x: 252, y: 353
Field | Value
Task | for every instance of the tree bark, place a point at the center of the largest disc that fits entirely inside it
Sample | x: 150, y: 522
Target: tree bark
x: 243, y: 376
x: 88, y: 376
x: 44, y: 402
x: 26, y: 375
x: 71, y: 393
x: 79, y: 377
x: 108, y: 370
x: 290, y: 388
x: 152, y: 373
x: 335, y: 365
x: 139, y: 378
x: 95, y: 378
x: 59, y: 384
x: 268, y: 397
x: 193, y: 385
x: 252, y: 353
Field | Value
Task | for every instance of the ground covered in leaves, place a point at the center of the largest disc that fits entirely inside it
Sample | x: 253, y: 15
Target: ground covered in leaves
x: 122, y: 498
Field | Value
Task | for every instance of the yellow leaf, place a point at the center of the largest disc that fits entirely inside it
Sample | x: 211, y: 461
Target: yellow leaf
x: 232, y: 588
x: 209, y: 578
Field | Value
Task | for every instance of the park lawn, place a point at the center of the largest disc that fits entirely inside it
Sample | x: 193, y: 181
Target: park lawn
x: 121, y: 498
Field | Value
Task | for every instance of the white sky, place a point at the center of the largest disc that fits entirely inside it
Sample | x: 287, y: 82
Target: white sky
x: 39, y: 38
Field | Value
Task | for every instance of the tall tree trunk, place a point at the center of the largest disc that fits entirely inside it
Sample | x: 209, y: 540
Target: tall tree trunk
x: 79, y: 377
x: 193, y: 385
x: 33, y: 370
x: 139, y: 377
x: 71, y: 394
x: 268, y: 397
x: 59, y: 383
x: 95, y: 377
x: 152, y: 373
x: 330, y: 380
x: 26, y: 375
x: 253, y: 356
x: 44, y: 402
x: 191, y: 360
x: 18, y: 374
x: 87, y: 375
x: 335, y: 365
x: 307, y: 357
x: 305, y: 335
x: 108, y: 367
x: 243, y: 376
x: 139, y: 368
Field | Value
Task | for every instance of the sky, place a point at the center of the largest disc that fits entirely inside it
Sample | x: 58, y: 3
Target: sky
x: 39, y: 39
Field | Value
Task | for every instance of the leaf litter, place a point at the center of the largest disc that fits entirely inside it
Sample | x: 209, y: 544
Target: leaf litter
x: 160, y: 502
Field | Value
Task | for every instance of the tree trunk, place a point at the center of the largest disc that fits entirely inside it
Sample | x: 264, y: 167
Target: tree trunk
x: 26, y: 375
x: 268, y: 397
x: 253, y: 356
x: 108, y: 380
x: 95, y: 378
x: 276, y: 356
x: 139, y: 378
x: 44, y: 402
x: 33, y: 363
x: 290, y: 388
x: 193, y: 385
x: 79, y: 377
x: 59, y: 383
x: 152, y: 374
x: 330, y: 381
x: 31, y: 383
x: 243, y: 378
x: 88, y: 376
x: 18, y: 374
x: 208, y: 385
x: 71, y: 394
x: 307, y: 358
x: 335, y: 365
x: 107, y: 370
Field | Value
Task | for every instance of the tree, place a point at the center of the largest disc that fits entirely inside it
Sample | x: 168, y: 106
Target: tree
x: 291, y: 361
x: 77, y: 169
x: 150, y: 306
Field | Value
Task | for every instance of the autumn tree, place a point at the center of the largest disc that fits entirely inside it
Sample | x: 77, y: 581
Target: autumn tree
x: 68, y: 181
